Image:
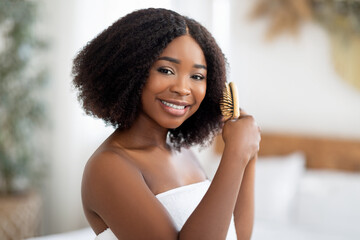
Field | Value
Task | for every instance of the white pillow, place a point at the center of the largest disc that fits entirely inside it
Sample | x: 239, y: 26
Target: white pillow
x: 277, y: 183
x: 330, y: 201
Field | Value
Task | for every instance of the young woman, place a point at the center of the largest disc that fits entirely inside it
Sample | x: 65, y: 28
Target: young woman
x: 158, y: 77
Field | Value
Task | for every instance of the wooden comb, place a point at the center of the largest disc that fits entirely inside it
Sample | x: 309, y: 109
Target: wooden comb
x: 229, y: 104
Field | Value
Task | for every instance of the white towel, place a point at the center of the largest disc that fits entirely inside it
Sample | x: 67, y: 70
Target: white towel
x: 180, y: 203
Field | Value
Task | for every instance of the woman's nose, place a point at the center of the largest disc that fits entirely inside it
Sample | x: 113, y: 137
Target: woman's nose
x: 181, y: 86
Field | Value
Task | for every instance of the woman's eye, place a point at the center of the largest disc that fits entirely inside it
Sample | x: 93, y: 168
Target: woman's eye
x: 198, y: 77
x: 165, y: 71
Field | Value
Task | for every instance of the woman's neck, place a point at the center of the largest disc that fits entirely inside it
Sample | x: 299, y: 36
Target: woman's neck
x: 143, y: 134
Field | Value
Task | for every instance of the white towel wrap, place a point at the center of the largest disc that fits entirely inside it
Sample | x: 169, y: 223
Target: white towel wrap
x: 180, y: 203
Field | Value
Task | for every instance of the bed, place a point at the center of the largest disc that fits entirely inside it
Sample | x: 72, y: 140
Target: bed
x: 305, y: 188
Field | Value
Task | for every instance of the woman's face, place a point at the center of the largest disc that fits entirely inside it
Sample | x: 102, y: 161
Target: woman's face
x: 177, y: 83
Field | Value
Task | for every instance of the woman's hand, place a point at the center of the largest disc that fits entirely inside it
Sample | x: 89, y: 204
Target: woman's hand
x: 242, y: 135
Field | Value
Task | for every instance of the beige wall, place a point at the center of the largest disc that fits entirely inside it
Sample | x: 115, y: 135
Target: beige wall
x: 289, y: 84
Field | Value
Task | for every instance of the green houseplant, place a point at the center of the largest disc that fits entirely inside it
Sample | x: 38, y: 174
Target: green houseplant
x: 22, y: 116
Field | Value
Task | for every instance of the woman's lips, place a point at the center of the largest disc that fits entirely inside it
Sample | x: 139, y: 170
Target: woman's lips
x: 177, y: 109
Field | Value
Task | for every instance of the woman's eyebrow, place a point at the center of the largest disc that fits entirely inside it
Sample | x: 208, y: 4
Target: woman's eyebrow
x: 174, y: 60
x: 170, y: 59
x: 200, y: 66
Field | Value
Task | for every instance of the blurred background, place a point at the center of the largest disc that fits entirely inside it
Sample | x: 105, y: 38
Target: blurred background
x: 296, y: 65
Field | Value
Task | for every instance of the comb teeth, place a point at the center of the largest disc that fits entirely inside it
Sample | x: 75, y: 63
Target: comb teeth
x: 228, y: 103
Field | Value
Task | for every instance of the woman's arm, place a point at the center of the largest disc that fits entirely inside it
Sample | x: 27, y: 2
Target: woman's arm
x: 211, y: 218
x: 244, y: 208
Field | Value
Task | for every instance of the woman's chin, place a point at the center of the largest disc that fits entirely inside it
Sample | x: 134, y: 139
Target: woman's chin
x: 172, y: 124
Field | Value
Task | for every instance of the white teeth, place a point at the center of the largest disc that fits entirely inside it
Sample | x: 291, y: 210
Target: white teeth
x: 173, y: 105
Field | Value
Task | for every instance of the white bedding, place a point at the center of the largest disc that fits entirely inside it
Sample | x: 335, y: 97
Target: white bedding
x: 265, y: 230
x: 317, y: 204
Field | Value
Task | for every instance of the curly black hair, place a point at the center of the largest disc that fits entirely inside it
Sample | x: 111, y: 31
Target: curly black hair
x: 111, y: 70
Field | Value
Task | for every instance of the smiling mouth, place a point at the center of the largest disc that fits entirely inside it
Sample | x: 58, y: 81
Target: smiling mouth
x: 173, y: 105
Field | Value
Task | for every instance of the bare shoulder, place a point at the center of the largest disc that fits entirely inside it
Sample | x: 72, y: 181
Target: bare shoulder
x: 102, y: 169
x: 105, y: 168
x: 115, y: 195
x: 107, y: 160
